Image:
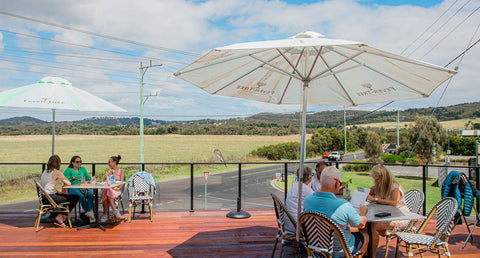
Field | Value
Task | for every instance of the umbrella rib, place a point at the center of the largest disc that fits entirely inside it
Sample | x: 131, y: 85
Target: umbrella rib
x: 289, y: 80
x: 295, y: 70
x: 339, y: 83
x: 278, y: 69
x: 382, y: 73
x: 320, y: 74
x: 248, y: 72
x: 220, y: 61
x: 319, y: 51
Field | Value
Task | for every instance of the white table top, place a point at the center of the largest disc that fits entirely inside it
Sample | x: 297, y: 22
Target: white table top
x: 397, y: 214
x: 97, y: 185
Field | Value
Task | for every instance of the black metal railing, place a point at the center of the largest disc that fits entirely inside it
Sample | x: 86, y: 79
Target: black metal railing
x: 258, y: 185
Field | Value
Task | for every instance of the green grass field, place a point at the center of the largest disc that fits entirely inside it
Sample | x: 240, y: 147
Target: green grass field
x: 15, y: 183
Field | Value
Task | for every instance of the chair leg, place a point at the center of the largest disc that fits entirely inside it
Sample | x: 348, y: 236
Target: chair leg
x: 69, y: 220
x: 130, y: 212
x: 37, y: 221
x: 396, y: 247
x: 151, y: 211
x: 275, y: 246
x: 386, y: 247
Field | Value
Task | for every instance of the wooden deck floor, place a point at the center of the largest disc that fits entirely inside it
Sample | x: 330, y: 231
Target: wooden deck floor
x: 171, y: 234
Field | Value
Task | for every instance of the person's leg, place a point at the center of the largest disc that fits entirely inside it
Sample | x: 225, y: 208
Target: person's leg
x: 364, y: 245
x: 59, y: 198
x: 89, y: 199
x: 81, y: 198
x: 378, y: 229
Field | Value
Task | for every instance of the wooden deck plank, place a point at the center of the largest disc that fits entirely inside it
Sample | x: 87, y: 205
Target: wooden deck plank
x: 171, y: 234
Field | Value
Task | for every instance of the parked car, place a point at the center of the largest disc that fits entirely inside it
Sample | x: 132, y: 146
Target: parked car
x: 325, y: 154
x: 335, y: 156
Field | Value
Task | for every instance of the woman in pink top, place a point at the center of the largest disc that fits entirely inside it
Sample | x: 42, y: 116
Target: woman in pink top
x: 109, y: 195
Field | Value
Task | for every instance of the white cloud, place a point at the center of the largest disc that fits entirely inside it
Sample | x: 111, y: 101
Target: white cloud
x: 197, y: 26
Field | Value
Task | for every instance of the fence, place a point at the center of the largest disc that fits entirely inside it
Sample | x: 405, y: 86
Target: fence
x: 247, y: 186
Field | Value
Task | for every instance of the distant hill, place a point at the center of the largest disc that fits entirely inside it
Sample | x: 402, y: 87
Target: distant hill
x: 113, y: 125
x: 21, y: 120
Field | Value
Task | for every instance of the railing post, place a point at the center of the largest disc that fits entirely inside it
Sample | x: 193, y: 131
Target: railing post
x: 143, y: 166
x: 44, y: 166
x: 239, y: 214
x: 191, y: 188
x: 424, y: 187
x: 93, y: 169
x: 285, y: 181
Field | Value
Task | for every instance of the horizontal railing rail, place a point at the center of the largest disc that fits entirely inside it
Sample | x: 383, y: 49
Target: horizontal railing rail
x: 472, y: 172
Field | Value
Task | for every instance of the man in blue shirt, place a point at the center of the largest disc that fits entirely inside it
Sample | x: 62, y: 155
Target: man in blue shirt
x: 340, y: 211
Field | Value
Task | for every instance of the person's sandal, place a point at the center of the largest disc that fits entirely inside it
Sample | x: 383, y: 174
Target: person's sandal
x: 60, y: 224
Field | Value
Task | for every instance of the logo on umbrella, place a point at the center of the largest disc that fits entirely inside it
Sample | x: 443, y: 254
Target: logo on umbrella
x: 372, y: 91
x: 43, y: 100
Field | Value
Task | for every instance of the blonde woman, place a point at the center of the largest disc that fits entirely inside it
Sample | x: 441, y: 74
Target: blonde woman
x: 49, y: 181
x: 387, y: 191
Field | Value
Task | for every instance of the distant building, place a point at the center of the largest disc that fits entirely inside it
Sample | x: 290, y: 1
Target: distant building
x: 470, y: 133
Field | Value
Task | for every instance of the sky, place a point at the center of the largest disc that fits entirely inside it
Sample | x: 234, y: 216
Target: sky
x: 99, y: 45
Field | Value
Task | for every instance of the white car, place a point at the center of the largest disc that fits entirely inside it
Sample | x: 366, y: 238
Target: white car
x: 335, y: 156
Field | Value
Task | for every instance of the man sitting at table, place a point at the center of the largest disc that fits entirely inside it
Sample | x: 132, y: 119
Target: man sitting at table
x: 340, y: 211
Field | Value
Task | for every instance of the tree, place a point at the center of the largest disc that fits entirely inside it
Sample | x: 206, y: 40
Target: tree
x: 373, y: 146
x: 433, y: 136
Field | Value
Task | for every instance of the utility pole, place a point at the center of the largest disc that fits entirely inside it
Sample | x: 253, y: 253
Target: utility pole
x: 345, y: 129
x: 143, y: 70
x: 398, y: 131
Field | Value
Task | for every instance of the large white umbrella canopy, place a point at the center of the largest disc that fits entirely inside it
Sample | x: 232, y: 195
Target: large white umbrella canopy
x: 55, y: 93
x: 310, y: 69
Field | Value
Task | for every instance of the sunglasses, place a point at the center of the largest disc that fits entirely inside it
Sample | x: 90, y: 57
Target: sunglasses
x: 78, y: 161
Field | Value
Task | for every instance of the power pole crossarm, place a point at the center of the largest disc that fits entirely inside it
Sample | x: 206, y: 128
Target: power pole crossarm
x: 143, y: 70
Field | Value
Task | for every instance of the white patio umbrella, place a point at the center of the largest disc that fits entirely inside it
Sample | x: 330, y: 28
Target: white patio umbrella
x: 55, y: 93
x: 310, y: 69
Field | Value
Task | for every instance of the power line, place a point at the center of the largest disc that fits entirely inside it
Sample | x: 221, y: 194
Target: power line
x: 101, y: 35
x: 439, y: 28
x: 429, y: 27
x: 448, y: 34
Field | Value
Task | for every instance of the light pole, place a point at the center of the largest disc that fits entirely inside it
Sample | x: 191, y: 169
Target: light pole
x: 143, y: 70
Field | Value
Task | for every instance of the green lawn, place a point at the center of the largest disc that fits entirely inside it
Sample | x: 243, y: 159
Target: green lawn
x: 363, y: 179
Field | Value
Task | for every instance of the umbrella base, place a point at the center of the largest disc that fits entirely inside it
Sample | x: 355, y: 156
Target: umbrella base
x: 238, y: 214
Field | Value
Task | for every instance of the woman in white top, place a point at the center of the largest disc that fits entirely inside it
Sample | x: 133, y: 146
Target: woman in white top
x: 292, y: 196
x: 389, y: 192
x: 49, y: 182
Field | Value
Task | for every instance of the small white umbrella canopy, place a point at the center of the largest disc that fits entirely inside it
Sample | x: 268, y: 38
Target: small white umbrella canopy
x: 55, y: 93
x: 310, y: 69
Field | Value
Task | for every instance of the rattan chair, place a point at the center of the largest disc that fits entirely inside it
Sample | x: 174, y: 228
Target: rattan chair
x: 444, y: 211
x: 140, y: 192
x: 414, y: 198
x: 320, y: 233
x: 47, y: 204
x: 283, y: 234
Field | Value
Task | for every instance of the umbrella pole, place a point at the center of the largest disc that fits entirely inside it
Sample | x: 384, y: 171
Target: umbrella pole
x: 53, y: 131
x: 302, y: 154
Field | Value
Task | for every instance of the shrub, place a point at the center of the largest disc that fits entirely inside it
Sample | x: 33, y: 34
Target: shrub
x: 392, y: 158
x: 357, y: 167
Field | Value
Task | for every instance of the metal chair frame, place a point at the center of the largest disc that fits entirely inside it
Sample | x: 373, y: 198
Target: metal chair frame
x: 320, y: 232
x: 283, y: 234
x: 139, y: 193
x: 444, y: 210
x: 47, y: 204
x: 414, y: 198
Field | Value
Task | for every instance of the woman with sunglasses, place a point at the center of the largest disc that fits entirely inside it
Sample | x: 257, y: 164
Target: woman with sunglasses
x: 74, y: 173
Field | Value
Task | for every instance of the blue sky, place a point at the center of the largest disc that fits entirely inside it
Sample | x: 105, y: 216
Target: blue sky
x: 98, y: 46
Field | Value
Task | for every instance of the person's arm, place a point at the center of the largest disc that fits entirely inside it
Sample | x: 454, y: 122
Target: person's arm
x: 68, y: 175
x: 363, y: 215
x: 57, y: 175
x: 371, y: 195
x: 85, y: 174
x: 396, y: 195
